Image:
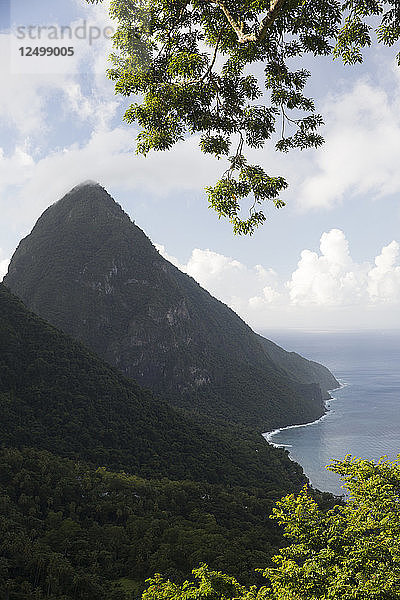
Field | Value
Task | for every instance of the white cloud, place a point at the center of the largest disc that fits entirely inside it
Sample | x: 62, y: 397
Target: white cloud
x: 4, y: 262
x: 362, y: 147
x: 98, y: 111
x: 21, y: 104
x: 28, y: 84
x: 327, y: 289
x: 228, y: 279
x: 15, y: 169
x: 108, y: 157
x: 384, y: 278
x: 331, y: 279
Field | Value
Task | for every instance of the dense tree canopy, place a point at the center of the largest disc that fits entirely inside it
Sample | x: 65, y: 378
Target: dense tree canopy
x: 69, y: 531
x: 57, y: 396
x: 349, y: 552
x: 229, y: 72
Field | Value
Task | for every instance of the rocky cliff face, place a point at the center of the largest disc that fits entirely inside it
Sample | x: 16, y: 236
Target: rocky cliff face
x: 89, y: 270
x: 56, y: 395
x: 299, y: 368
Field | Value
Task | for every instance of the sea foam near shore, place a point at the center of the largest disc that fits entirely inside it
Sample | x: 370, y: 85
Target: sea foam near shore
x: 270, y: 434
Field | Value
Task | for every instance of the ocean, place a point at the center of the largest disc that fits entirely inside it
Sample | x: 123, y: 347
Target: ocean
x: 364, y: 415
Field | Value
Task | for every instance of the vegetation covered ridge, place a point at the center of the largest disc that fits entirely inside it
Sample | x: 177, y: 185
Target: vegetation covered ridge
x: 70, y: 531
x: 56, y: 395
x: 348, y: 552
x: 88, y: 270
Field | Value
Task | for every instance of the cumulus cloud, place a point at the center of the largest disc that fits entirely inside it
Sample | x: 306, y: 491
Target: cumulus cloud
x: 4, y: 262
x: 384, y: 278
x: 327, y: 287
x: 328, y: 279
x: 228, y: 279
x: 362, y: 146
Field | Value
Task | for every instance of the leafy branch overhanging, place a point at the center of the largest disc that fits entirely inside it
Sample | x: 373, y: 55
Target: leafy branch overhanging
x: 228, y: 72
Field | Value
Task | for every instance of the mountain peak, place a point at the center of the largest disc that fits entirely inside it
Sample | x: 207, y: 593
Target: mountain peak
x: 86, y: 204
x: 90, y: 271
x: 87, y: 189
x: 87, y: 183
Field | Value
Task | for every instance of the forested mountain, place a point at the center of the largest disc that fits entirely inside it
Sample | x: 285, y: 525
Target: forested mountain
x: 196, y: 481
x: 297, y: 367
x: 55, y: 395
x: 87, y: 269
x: 71, y: 532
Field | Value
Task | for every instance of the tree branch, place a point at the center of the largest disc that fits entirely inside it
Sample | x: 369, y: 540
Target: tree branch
x: 238, y: 28
x: 268, y: 20
x: 210, y: 68
x: 243, y: 38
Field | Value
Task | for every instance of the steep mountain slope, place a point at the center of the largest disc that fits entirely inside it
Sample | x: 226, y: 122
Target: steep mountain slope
x: 299, y: 368
x: 87, y: 269
x: 56, y: 396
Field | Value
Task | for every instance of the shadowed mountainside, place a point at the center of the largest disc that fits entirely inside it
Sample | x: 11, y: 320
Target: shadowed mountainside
x: 88, y: 270
x: 56, y: 395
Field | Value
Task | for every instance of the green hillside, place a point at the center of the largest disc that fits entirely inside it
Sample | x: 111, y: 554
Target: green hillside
x: 72, y: 532
x: 299, y: 368
x: 55, y: 395
x: 88, y: 270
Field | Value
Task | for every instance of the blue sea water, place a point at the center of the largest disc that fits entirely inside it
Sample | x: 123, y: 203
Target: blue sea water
x: 364, y: 415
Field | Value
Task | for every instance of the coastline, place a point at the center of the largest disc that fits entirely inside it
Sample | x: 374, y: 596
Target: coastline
x: 268, y: 435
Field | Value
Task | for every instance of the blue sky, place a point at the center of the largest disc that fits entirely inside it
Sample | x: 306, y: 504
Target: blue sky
x: 329, y: 260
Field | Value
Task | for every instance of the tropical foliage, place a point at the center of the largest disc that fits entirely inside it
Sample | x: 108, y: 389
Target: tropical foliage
x: 230, y: 73
x: 55, y: 395
x: 71, y: 531
x: 349, y: 552
x: 74, y: 530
